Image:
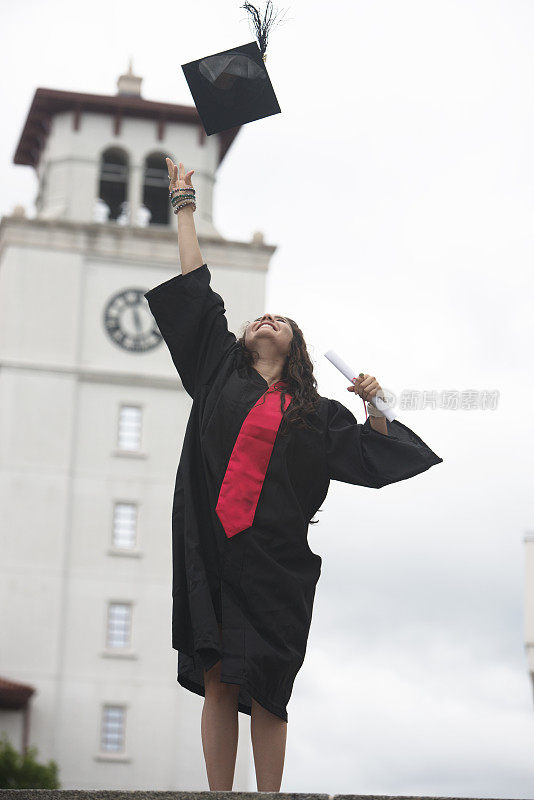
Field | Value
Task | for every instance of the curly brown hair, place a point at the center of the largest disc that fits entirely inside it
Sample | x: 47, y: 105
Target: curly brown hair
x: 298, y: 372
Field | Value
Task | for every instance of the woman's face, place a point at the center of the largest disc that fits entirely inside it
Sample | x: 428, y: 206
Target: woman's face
x: 270, y: 335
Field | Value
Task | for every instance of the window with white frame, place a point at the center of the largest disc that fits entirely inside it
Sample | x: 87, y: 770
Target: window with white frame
x: 124, y: 532
x: 119, y: 625
x: 112, y: 731
x: 129, y: 432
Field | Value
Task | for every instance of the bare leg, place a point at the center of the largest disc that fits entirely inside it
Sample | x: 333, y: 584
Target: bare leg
x: 268, y: 733
x: 220, y: 728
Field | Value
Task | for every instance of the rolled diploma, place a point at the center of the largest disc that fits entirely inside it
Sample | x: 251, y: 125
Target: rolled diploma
x: 349, y: 373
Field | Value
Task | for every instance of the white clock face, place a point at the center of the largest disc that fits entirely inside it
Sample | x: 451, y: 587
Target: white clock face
x: 129, y: 323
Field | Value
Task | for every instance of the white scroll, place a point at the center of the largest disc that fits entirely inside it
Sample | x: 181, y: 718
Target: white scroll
x: 349, y: 373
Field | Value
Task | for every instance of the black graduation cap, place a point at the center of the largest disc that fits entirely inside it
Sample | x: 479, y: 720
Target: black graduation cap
x: 233, y: 87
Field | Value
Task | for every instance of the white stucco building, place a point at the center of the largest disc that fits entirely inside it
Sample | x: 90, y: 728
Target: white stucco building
x: 88, y: 395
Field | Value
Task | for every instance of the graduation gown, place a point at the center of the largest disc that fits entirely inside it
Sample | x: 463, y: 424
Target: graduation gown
x: 259, y: 583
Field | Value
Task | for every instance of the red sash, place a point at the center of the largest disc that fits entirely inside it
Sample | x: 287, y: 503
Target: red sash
x: 245, y: 473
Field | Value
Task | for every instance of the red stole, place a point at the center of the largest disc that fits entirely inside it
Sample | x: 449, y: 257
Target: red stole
x: 245, y: 473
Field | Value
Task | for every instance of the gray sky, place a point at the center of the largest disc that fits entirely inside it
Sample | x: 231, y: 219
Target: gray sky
x: 397, y: 185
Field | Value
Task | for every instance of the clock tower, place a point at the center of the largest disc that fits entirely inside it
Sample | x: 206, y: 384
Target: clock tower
x: 92, y: 415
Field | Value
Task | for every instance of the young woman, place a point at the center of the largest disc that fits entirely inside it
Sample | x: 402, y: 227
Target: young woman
x: 260, y: 449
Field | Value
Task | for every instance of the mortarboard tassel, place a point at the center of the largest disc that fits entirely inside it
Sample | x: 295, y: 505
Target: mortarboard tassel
x: 262, y: 28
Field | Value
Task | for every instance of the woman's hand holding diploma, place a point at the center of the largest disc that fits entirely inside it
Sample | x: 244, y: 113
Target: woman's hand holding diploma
x: 367, y: 387
x: 372, y: 390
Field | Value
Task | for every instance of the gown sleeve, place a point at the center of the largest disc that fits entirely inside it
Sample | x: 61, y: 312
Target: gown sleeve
x: 358, y: 454
x: 191, y: 318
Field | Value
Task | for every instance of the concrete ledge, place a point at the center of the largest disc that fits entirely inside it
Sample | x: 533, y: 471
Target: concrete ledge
x: 111, y: 794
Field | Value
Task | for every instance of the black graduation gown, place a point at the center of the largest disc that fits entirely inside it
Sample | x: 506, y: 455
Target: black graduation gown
x: 260, y: 583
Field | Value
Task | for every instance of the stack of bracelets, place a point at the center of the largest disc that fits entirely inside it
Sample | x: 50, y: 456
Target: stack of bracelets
x: 182, y: 197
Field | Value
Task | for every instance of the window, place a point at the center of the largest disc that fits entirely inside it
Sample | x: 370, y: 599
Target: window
x: 124, y: 533
x: 156, y: 189
x: 119, y: 625
x: 112, y: 730
x: 113, y: 183
x: 129, y: 432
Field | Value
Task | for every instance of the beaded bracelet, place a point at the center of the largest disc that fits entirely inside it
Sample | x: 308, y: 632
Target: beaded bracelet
x: 176, y: 197
x: 179, y: 196
x: 183, y: 204
x: 182, y: 196
x: 172, y: 192
x: 185, y: 200
x: 178, y: 209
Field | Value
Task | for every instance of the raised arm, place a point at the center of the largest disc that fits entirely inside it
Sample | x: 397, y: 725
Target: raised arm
x: 190, y: 255
x: 191, y: 317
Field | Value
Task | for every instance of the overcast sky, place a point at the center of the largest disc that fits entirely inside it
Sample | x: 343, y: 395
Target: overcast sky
x: 397, y: 185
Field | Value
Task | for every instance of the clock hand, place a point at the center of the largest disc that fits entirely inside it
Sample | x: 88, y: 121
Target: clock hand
x: 137, y: 321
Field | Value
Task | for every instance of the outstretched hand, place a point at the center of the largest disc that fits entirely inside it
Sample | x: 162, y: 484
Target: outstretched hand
x: 178, y: 178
